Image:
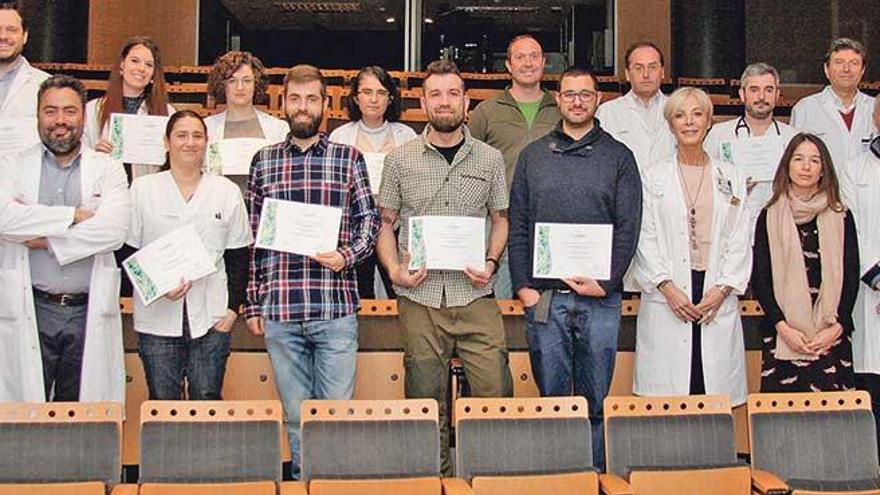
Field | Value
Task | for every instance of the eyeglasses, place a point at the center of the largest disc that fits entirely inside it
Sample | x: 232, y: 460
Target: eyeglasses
x: 369, y: 93
x: 584, y: 95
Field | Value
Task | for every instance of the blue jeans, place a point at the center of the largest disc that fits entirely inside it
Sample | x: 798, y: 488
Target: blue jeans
x: 575, y: 351
x: 167, y: 360
x: 311, y: 360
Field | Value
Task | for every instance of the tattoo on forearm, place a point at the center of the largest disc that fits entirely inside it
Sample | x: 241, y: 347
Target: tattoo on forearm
x: 502, y: 213
x: 387, y: 219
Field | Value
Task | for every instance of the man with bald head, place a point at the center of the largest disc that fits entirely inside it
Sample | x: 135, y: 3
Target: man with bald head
x: 521, y: 114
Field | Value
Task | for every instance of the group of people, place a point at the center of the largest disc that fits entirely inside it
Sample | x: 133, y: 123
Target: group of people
x: 690, y: 231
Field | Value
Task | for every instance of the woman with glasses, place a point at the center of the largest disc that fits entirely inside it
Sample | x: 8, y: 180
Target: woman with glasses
x: 374, y: 108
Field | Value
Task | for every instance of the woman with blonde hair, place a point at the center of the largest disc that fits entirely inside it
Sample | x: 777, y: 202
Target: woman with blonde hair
x: 692, y: 260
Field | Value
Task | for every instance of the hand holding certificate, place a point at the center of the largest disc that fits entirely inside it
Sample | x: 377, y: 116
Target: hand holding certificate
x: 754, y: 157
x: 157, y: 269
x: 298, y: 228
x: 233, y: 156
x: 138, y: 138
x: 569, y: 250
x: 447, y: 243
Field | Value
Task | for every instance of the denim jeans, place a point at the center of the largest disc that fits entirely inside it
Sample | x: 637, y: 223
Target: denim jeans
x: 167, y: 360
x: 575, y: 351
x: 311, y: 360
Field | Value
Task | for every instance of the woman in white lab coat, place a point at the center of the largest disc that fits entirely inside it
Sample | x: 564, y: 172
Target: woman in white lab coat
x: 187, y: 333
x: 693, y: 259
x: 374, y: 109
x: 136, y: 87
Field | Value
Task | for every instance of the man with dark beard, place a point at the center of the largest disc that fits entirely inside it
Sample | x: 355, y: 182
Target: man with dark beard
x: 60, y: 291
x: 446, y: 172
x: 759, y: 91
x: 306, y: 305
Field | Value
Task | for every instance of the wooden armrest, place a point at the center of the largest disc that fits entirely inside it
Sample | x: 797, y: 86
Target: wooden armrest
x: 767, y: 483
x: 456, y: 486
x: 292, y: 488
x: 125, y: 490
x: 612, y: 484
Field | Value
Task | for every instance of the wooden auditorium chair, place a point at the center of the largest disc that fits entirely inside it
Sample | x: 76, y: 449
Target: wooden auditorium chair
x: 813, y: 443
x: 387, y: 447
x: 672, y: 446
x: 210, y: 447
x: 528, y: 446
x: 60, y: 448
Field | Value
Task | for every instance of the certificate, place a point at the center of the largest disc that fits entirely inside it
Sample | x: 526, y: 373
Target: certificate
x: 138, y: 138
x: 755, y: 157
x: 565, y: 250
x: 233, y: 156
x: 375, y: 165
x: 158, y: 267
x: 298, y: 228
x: 447, y: 243
x: 17, y: 134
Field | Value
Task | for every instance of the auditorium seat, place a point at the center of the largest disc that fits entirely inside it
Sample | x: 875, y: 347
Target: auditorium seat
x: 813, y: 443
x: 529, y: 446
x: 60, y: 448
x: 672, y: 446
x: 209, y: 447
x: 373, y: 447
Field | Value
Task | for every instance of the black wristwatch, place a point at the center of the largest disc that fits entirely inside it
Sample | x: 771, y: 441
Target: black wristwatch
x: 494, y: 262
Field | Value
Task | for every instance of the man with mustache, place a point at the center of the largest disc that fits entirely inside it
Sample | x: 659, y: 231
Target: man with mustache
x: 446, y: 172
x: 59, y: 304
x: 306, y: 306
x: 19, y: 82
x: 521, y: 114
x: 759, y: 92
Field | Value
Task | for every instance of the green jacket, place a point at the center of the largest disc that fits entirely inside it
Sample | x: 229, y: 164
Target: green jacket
x: 499, y: 123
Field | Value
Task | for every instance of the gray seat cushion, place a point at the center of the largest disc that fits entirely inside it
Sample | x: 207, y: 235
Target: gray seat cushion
x: 54, y: 453
x: 210, y: 452
x: 370, y: 449
x: 835, y: 486
x: 493, y: 447
x: 664, y: 441
x: 823, y: 445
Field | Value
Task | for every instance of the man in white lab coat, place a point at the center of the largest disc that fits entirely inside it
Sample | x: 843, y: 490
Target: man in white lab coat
x: 636, y: 118
x: 755, y: 129
x: 840, y: 114
x: 59, y: 308
x: 860, y: 187
x: 19, y: 81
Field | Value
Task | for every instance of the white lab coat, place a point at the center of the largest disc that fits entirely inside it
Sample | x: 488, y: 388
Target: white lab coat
x: 21, y: 100
x: 860, y: 186
x: 649, y: 141
x: 94, y: 133
x: 737, y: 128
x: 663, y: 342
x: 104, y: 191
x: 818, y: 114
x: 274, y: 129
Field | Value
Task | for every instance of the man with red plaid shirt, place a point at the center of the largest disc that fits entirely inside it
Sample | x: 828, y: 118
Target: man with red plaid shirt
x: 306, y: 306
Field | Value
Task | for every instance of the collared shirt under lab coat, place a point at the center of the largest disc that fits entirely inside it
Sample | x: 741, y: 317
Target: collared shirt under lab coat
x: 819, y: 114
x: 217, y: 212
x: 860, y: 187
x: 104, y: 191
x: 663, y: 342
x: 274, y: 129
x: 649, y: 140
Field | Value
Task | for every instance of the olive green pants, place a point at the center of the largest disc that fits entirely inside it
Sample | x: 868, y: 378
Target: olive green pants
x: 475, y: 334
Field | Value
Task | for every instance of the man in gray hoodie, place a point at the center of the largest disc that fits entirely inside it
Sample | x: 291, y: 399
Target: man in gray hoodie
x: 576, y: 174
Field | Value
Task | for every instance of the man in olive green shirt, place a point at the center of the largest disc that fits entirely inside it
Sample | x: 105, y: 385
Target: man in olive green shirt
x: 521, y: 114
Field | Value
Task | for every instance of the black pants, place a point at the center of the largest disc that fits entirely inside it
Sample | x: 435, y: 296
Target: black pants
x: 366, y: 271
x: 870, y: 383
x: 698, y: 384
x: 62, y: 331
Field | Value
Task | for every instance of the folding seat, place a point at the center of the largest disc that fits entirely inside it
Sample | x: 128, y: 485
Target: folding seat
x: 388, y: 447
x: 672, y: 445
x: 813, y: 443
x: 526, y: 446
x: 60, y: 448
x: 210, y: 447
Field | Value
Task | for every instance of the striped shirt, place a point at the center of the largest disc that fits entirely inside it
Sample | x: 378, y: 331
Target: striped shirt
x: 290, y: 287
x: 417, y: 180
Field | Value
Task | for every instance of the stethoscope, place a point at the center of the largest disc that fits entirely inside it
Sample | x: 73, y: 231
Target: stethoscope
x: 741, y: 123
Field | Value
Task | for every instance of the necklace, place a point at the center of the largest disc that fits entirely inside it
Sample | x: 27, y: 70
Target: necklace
x: 692, y: 202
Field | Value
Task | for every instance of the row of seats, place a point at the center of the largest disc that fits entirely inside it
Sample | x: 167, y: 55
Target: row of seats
x: 803, y: 444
